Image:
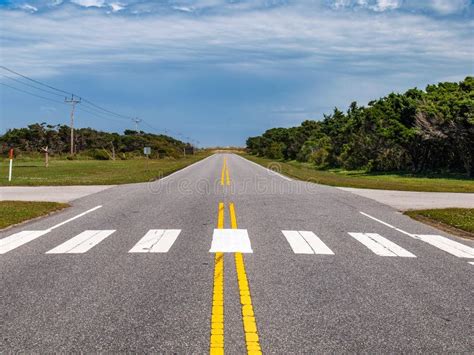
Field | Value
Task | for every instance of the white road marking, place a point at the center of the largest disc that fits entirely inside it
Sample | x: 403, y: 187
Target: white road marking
x: 305, y: 242
x: 269, y: 170
x: 230, y: 241
x: 15, y: 240
x: 183, y: 169
x: 156, y: 241
x: 471, y: 262
x: 388, y: 225
x: 81, y: 242
x: 75, y: 217
x: 448, y: 245
x: 316, y: 244
x: 443, y: 243
x: 380, y: 245
x: 297, y: 243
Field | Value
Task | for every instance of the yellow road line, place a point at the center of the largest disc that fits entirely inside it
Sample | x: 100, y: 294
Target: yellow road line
x: 233, y: 219
x: 217, y: 317
x: 227, y: 175
x: 220, y: 216
x: 248, y: 317
x: 224, y: 168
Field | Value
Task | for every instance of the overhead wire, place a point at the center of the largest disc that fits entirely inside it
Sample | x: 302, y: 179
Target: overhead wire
x: 32, y: 94
x: 90, y: 107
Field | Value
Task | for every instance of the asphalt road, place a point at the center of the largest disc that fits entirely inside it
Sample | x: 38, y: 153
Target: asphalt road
x: 395, y: 290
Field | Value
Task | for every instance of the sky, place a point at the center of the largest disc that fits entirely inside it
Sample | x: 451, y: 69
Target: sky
x: 219, y: 71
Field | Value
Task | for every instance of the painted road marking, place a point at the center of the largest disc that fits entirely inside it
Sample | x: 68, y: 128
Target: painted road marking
x: 448, y: 245
x: 388, y: 225
x: 381, y: 246
x: 18, y: 239
x: 268, y: 170
x: 75, y: 217
x: 225, y: 177
x: 82, y: 242
x: 156, y: 241
x: 305, y: 242
x: 471, y: 262
x: 15, y: 240
x: 443, y: 243
x: 249, y: 322
x: 230, y: 241
x: 183, y: 169
x: 216, y: 343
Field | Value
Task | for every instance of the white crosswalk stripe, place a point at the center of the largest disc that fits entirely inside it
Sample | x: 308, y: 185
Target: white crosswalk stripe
x: 156, y: 241
x: 18, y: 239
x: 380, y: 245
x: 81, y: 243
x: 230, y: 241
x: 471, y: 262
x: 306, y: 242
x: 448, y: 245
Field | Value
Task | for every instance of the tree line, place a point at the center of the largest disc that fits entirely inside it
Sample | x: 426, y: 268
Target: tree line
x: 419, y: 131
x: 88, y: 142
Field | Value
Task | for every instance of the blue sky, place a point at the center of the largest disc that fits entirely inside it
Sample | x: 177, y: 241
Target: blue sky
x: 219, y: 71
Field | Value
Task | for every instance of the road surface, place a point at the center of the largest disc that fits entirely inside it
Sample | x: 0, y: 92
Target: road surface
x: 225, y: 255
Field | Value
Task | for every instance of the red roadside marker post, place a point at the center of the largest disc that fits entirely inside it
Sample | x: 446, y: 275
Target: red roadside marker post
x: 10, y: 154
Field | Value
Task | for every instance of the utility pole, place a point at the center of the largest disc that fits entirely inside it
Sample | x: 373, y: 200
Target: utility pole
x: 137, y: 121
x: 73, y: 101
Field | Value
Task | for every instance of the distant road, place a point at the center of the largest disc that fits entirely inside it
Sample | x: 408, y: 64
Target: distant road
x: 226, y: 255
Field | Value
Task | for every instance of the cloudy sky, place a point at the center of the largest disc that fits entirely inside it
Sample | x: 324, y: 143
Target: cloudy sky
x: 218, y: 71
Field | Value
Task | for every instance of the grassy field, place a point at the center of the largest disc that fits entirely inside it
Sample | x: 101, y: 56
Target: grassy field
x: 13, y: 212
x: 369, y: 180
x: 458, y: 221
x: 91, y: 172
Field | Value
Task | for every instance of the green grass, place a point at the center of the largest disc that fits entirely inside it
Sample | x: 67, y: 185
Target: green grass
x: 458, y: 218
x: 360, y: 179
x: 32, y: 172
x: 13, y: 212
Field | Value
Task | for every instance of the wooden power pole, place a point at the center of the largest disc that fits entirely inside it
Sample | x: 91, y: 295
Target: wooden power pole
x: 73, y: 101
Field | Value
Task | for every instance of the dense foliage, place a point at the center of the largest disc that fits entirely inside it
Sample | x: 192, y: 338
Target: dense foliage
x: 88, y: 142
x: 418, y: 131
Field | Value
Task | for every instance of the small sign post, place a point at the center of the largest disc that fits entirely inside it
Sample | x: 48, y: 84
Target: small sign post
x: 147, y: 152
x: 10, y: 154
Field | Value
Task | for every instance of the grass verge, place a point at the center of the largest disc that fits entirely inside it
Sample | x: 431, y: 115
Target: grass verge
x: 14, y: 212
x: 91, y: 172
x: 358, y: 179
x: 458, y: 221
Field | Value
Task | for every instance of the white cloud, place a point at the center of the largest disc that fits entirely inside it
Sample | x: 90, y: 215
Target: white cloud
x: 449, y: 6
x: 89, y: 3
x: 28, y: 7
x: 375, y: 5
x: 258, y: 41
x: 183, y: 8
x: 384, y: 5
x: 116, y: 6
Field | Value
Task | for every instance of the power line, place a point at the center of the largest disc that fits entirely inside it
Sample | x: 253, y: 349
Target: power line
x: 35, y: 81
x: 105, y: 110
x: 33, y: 86
x: 96, y: 114
x: 88, y: 102
x: 32, y: 94
x: 91, y: 107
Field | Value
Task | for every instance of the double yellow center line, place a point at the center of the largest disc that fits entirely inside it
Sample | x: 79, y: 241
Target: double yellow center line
x: 225, y: 178
x: 248, y: 317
